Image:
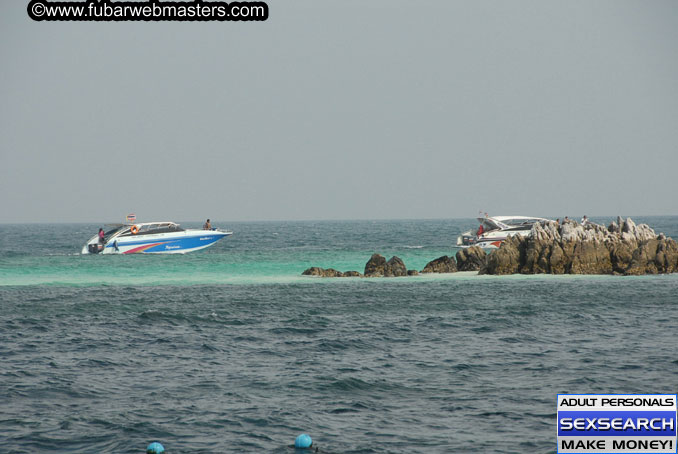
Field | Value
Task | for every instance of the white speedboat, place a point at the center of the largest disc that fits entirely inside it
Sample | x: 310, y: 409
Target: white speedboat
x: 152, y: 238
x: 495, y: 229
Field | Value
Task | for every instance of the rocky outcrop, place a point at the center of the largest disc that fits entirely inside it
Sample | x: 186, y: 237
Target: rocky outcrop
x: 621, y: 248
x: 654, y: 257
x: 322, y: 272
x: 395, y: 267
x: 666, y: 258
x: 377, y: 266
x: 506, y: 259
x: 329, y: 272
x: 470, y: 259
x: 620, y: 256
x: 442, y: 264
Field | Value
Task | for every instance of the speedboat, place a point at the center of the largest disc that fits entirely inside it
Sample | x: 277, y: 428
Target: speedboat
x: 494, y: 230
x: 152, y: 238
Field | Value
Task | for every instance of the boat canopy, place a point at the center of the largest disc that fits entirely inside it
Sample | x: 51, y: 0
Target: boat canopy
x: 507, y: 222
x: 147, y: 228
x: 491, y: 224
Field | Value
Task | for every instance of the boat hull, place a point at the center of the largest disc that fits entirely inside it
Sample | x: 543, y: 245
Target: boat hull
x: 162, y: 243
x: 488, y: 242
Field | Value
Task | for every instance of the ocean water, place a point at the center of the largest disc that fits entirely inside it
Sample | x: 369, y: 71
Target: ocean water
x: 232, y: 350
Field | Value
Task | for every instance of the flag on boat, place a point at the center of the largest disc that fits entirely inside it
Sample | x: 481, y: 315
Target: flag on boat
x: 131, y: 217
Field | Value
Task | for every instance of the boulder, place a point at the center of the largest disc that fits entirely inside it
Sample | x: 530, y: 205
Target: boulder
x: 652, y: 256
x: 470, y: 259
x: 412, y: 273
x: 621, y: 254
x: 536, y: 257
x: 643, y: 259
x: 375, y: 266
x: 322, y: 272
x: 442, y: 264
x: 558, y: 261
x: 352, y: 274
x: 395, y: 267
x: 591, y: 257
x: 313, y: 271
x: 667, y: 256
x: 506, y: 259
x: 632, y: 233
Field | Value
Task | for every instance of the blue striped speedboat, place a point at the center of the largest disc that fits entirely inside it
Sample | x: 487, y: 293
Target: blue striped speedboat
x: 153, y: 238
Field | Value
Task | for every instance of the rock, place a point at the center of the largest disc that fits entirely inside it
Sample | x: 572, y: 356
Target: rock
x: 644, y: 232
x: 535, y: 261
x: 632, y: 233
x: 375, y: 266
x: 621, y: 254
x: 557, y: 260
x: 313, y: 271
x: 643, y: 259
x: 506, y: 259
x: 442, y: 264
x: 322, y: 272
x: 591, y: 257
x: 395, y: 267
x: 621, y: 248
x: 569, y: 232
x: 667, y: 255
x: 654, y: 256
x: 471, y: 259
x: 331, y: 272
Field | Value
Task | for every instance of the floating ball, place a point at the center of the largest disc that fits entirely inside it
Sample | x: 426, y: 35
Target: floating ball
x: 155, y: 448
x: 303, y: 441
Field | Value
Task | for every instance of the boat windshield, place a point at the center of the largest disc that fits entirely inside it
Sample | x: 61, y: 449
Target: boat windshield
x: 490, y: 224
x: 115, y: 230
x: 150, y: 229
x: 520, y: 221
x: 507, y: 222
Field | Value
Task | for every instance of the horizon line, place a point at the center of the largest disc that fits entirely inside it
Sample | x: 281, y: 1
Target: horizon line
x: 328, y: 219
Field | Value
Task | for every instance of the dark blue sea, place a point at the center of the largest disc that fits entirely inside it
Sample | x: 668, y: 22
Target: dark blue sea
x: 231, y: 350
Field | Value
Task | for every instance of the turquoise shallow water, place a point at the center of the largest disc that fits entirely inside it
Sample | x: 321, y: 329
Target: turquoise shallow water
x: 231, y: 350
x: 258, y: 253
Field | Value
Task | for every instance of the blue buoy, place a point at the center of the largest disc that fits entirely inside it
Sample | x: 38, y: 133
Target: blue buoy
x: 155, y: 448
x: 303, y: 441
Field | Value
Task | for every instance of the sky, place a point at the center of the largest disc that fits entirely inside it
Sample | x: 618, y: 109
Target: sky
x: 348, y: 109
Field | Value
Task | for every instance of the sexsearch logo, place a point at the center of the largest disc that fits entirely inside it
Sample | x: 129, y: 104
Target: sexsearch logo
x: 616, y: 423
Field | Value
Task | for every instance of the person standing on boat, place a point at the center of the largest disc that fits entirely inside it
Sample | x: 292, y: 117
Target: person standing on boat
x: 102, y: 236
x: 207, y: 225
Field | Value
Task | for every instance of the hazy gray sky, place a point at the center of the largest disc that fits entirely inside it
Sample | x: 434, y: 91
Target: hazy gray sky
x: 343, y: 110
